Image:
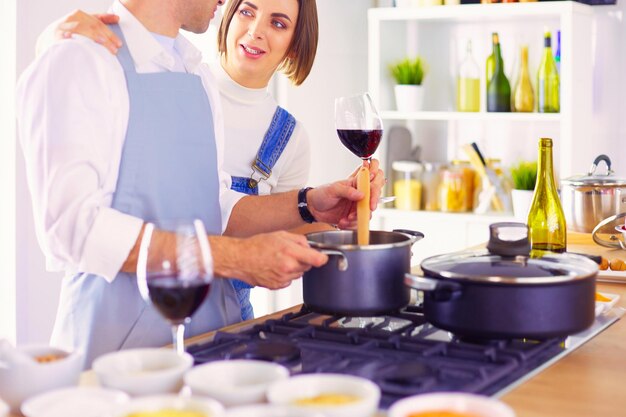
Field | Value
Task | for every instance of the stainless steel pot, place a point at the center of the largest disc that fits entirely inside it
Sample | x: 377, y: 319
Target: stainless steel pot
x: 364, y: 280
x: 589, y: 199
x: 503, y: 293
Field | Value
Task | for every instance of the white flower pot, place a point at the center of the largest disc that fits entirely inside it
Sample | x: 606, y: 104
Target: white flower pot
x: 521, y: 203
x: 409, y: 97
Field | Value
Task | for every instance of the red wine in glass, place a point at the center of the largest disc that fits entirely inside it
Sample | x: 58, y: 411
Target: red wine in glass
x: 362, y: 143
x: 175, y: 278
x: 177, y: 300
x: 358, y: 124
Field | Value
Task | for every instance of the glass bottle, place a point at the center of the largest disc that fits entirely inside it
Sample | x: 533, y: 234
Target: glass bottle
x: 547, y: 81
x: 523, y: 97
x: 490, y: 65
x: 468, y: 83
x: 498, y: 89
x: 546, y: 221
x: 557, y: 53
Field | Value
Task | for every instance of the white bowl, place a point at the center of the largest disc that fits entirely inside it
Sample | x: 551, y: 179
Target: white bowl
x: 288, y: 391
x: 205, y: 406
x: 268, y: 410
x: 235, y: 382
x: 25, y: 377
x: 476, y: 405
x: 74, y: 402
x: 143, y: 371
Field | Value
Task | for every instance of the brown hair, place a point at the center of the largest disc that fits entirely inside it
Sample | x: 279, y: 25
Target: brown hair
x: 298, y: 62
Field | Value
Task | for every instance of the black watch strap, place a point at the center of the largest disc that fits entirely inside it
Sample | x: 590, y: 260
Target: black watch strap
x: 303, y: 206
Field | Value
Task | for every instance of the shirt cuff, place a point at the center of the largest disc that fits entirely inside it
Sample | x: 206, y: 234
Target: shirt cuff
x: 228, y: 199
x: 110, y: 240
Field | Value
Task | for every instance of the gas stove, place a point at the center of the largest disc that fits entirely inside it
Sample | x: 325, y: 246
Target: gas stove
x: 400, y: 352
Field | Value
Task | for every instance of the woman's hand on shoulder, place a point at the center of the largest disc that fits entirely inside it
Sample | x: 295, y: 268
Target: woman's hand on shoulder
x: 78, y: 22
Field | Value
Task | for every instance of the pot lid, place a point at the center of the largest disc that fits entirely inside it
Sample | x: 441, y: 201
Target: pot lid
x: 507, y: 261
x: 594, y: 179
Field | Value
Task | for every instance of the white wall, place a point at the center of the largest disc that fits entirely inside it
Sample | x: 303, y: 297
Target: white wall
x: 7, y: 171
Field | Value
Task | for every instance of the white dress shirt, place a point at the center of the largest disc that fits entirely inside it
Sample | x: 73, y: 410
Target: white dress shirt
x: 72, y: 112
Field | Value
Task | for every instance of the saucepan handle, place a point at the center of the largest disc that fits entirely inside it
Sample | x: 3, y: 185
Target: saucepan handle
x: 439, y: 290
x: 412, y: 234
x: 342, y: 262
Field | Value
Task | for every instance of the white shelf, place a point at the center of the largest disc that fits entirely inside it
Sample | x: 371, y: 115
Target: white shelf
x: 480, y: 12
x: 478, y: 116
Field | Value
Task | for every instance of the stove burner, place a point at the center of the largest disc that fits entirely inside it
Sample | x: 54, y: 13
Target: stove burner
x: 407, y: 373
x: 281, y: 352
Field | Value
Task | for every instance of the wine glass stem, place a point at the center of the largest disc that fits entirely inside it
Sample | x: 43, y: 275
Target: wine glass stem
x: 178, y: 337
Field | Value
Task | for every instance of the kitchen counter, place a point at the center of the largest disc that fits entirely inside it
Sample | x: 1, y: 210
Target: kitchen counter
x: 588, y: 382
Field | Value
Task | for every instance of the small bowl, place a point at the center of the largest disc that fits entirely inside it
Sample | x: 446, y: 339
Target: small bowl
x: 25, y: 376
x: 268, y: 410
x: 622, y: 230
x: 235, y: 382
x: 143, y: 371
x: 473, y: 405
x: 74, y: 402
x: 307, y: 387
x: 205, y: 406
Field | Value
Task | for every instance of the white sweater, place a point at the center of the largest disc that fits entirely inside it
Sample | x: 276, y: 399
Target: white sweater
x: 247, y: 115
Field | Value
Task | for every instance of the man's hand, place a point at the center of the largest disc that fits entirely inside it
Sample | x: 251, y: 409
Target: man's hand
x: 270, y: 260
x: 336, y: 203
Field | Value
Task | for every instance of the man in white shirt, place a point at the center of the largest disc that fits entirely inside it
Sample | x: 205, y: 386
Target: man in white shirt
x: 93, y: 128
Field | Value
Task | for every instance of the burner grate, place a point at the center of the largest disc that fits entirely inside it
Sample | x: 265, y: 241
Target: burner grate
x: 401, y: 353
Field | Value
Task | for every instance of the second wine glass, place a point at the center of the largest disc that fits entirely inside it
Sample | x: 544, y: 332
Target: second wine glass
x: 174, y: 271
x: 358, y: 124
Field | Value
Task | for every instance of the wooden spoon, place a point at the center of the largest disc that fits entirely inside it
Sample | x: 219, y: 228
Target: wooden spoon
x: 363, y: 206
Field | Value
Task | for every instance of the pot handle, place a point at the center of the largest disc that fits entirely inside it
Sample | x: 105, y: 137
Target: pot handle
x: 594, y: 165
x: 503, y: 247
x: 439, y: 290
x: 413, y: 235
x: 342, y: 262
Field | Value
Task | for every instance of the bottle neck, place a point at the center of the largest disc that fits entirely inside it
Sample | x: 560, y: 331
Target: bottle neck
x: 524, y: 57
x: 545, y: 170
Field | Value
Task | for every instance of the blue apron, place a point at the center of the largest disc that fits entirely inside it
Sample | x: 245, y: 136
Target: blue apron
x: 168, y: 170
x: 273, y: 145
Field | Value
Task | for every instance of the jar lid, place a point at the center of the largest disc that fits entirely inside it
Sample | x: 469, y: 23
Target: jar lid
x: 593, y: 179
x: 508, y: 262
x: 406, y: 166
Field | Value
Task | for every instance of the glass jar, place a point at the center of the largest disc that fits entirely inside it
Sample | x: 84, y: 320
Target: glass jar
x: 453, y: 190
x: 431, y: 177
x: 407, y: 184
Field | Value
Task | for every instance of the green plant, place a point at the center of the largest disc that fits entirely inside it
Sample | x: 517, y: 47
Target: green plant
x: 409, y: 71
x: 524, y: 175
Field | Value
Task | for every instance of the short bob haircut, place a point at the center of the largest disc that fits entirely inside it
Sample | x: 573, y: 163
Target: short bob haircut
x: 298, y: 62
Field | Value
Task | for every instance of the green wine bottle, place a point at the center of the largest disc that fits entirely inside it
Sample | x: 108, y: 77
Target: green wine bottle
x: 546, y: 221
x: 547, y: 81
x: 490, y: 65
x: 498, y: 87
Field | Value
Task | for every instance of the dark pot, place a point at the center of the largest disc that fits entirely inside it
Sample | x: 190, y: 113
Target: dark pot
x: 504, y: 293
x: 358, y: 280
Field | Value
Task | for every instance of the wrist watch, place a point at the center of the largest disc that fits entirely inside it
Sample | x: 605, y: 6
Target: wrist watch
x: 303, y: 207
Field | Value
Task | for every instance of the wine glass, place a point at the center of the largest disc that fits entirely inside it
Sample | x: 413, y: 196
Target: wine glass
x: 358, y: 124
x: 175, y: 271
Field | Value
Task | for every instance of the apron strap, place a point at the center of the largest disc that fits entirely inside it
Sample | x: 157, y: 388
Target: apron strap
x: 123, y: 54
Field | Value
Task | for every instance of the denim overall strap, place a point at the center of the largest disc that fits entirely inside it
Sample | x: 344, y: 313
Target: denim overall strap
x: 168, y: 170
x: 273, y: 145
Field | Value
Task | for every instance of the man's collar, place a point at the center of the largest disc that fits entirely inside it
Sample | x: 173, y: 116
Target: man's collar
x: 144, y: 48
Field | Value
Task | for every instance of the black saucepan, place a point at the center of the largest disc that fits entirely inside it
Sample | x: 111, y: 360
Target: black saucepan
x: 364, y: 280
x: 504, y: 293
